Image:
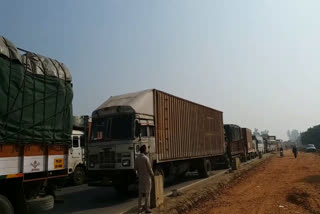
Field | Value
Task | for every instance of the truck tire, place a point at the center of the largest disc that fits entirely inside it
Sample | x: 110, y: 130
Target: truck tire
x: 40, y: 204
x: 204, y: 168
x: 79, y: 176
x: 5, y: 205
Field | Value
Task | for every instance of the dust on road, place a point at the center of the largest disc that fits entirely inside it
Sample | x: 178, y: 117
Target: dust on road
x: 280, y: 186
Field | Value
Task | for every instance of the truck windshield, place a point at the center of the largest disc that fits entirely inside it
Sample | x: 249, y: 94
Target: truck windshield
x: 118, y: 127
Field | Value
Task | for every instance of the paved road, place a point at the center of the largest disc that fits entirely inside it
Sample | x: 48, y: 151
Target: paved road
x: 96, y: 200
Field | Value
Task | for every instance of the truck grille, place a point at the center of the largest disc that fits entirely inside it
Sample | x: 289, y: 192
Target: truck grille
x: 107, y: 159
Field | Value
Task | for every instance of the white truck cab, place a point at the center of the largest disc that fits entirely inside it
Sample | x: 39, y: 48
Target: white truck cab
x: 76, y: 158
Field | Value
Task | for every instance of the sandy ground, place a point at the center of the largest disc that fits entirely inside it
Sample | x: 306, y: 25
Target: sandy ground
x: 279, y: 186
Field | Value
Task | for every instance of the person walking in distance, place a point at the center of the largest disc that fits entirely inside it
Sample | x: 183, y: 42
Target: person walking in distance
x: 295, y: 151
x: 143, y: 167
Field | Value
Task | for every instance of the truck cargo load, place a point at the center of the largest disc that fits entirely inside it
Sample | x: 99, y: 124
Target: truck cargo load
x: 247, y: 136
x: 185, y: 129
x: 234, y: 138
x: 250, y: 146
x: 36, y: 98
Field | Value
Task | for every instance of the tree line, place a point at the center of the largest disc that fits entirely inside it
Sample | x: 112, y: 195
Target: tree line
x: 311, y: 136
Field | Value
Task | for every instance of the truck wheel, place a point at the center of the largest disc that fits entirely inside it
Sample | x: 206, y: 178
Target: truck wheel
x: 79, y: 176
x: 40, y: 204
x: 204, y: 168
x: 5, y: 205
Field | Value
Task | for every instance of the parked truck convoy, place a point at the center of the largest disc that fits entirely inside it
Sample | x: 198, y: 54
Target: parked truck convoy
x: 38, y: 145
x: 35, y: 128
x: 180, y: 135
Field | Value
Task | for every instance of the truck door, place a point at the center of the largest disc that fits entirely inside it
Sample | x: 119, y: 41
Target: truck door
x: 76, y: 150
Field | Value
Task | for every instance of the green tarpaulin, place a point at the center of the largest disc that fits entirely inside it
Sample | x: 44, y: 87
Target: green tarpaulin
x: 35, y: 98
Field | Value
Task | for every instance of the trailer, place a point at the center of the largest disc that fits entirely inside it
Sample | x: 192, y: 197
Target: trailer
x: 35, y: 129
x: 180, y: 135
x: 235, y: 143
x: 250, y: 147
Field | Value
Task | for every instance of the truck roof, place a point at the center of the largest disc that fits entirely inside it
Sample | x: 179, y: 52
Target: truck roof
x: 140, y: 102
x: 35, y: 63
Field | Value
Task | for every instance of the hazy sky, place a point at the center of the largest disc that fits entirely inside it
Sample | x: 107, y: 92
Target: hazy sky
x: 257, y: 61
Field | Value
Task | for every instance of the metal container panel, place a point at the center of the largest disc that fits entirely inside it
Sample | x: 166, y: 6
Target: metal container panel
x: 247, y: 137
x: 185, y: 129
x: 237, y: 147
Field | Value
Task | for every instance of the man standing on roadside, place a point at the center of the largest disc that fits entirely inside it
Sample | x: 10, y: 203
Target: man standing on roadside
x: 295, y: 151
x: 143, y: 167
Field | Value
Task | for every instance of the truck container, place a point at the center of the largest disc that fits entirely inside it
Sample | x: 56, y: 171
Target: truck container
x: 250, y: 147
x: 234, y: 139
x: 35, y: 128
x: 180, y: 135
x: 239, y: 142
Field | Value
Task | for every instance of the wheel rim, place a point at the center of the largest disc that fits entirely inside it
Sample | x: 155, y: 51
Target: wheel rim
x: 78, y: 176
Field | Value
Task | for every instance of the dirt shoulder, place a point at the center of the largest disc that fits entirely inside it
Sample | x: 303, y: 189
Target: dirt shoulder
x: 280, y: 185
x: 207, y: 190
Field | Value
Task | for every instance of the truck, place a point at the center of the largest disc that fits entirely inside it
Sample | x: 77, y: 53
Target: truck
x: 271, y: 143
x: 259, y: 143
x: 35, y: 128
x: 180, y: 135
x: 250, y: 147
x: 235, y: 142
x: 77, y: 166
x: 239, y: 142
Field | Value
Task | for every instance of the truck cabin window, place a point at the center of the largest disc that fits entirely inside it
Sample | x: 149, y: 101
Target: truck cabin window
x: 75, y: 142
x: 151, y: 131
x: 144, y: 132
x: 112, y: 128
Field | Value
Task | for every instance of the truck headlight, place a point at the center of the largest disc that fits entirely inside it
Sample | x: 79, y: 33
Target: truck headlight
x: 126, y: 162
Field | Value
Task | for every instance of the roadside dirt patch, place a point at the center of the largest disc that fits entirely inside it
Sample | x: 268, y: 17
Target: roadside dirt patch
x: 312, y: 179
x: 280, y: 186
x: 298, y: 197
x: 306, y: 198
x: 211, y: 189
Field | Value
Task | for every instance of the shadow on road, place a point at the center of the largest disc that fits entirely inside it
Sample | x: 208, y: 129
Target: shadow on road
x: 313, y: 179
x: 85, y: 198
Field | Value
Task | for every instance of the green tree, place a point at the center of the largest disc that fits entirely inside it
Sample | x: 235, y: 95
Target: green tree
x: 311, y: 136
x: 265, y: 133
x: 256, y: 132
x: 293, y: 135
